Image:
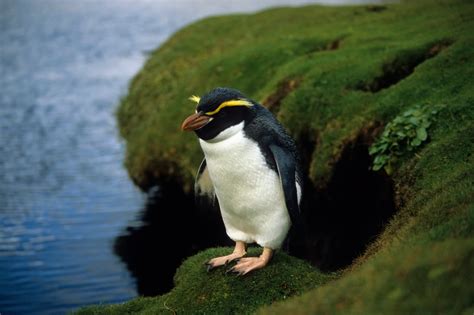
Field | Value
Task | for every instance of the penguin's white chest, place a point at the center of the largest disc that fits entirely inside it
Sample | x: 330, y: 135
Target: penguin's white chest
x: 249, y: 192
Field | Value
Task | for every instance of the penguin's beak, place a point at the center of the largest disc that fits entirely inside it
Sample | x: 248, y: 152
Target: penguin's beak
x: 195, y: 121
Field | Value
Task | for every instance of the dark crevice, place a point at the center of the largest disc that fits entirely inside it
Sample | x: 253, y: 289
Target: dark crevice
x: 335, y: 44
x: 306, y: 143
x: 349, y: 213
x: 328, y: 46
x: 172, y: 229
x: 376, y: 8
x: 402, y: 67
x: 285, y: 87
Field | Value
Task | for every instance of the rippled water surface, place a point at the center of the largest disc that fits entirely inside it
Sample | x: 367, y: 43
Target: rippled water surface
x: 64, y: 195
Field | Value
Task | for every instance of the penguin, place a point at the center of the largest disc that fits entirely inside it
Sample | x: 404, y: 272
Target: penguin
x: 252, y: 167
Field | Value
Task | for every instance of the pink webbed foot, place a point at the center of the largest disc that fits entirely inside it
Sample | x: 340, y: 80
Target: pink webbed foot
x: 239, y: 252
x: 247, y: 264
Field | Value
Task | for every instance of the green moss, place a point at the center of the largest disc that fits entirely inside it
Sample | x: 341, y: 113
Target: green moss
x: 200, y: 292
x: 422, y: 279
x: 254, y: 53
x: 356, y: 67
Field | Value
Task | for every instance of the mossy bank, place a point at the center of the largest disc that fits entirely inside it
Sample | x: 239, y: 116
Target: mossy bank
x: 335, y: 77
x: 200, y: 292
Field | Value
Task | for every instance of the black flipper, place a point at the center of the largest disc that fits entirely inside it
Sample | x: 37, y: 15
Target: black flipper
x: 286, y: 166
x: 286, y: 169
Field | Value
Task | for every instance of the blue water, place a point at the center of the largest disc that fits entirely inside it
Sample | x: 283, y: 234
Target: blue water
x: 64, y: 194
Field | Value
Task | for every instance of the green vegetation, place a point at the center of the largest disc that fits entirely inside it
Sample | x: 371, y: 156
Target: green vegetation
x: 200, y: 292
x: 404, y: 133
x: 429, y: 279
x: 328, y: 73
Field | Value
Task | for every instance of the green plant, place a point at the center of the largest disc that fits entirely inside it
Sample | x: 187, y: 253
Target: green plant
x: 406, y: 132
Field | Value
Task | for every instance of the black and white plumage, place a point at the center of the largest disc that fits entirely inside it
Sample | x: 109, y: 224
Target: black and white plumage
x: 251, y: 165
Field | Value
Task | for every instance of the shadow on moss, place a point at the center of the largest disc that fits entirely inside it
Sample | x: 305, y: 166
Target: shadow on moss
x: 402, y: 67
x: 345, y: 216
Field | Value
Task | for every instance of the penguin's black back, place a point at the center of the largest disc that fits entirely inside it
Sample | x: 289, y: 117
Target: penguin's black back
x: 262, y: 127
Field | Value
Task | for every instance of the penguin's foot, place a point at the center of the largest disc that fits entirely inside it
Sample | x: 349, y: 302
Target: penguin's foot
x: 247, y: 264
x: 239, y: 252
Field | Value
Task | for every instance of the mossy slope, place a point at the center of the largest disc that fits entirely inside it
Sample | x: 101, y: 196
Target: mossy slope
x: 200, y: 292
x: 328, y: 73
x: 337, y: 54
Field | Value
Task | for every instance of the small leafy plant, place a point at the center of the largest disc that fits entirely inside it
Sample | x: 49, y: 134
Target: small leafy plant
x: 406, y: 132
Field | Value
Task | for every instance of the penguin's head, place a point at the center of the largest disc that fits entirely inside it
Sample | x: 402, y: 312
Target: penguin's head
x: 219, y: 114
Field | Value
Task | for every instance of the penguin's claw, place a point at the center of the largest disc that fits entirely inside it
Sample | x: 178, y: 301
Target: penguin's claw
x: 233, y: 271
x: 222, y: 261
x: 248, y: 264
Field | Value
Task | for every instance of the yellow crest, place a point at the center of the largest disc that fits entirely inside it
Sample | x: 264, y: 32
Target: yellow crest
x: 194, y: 98
x: 237, y: 102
